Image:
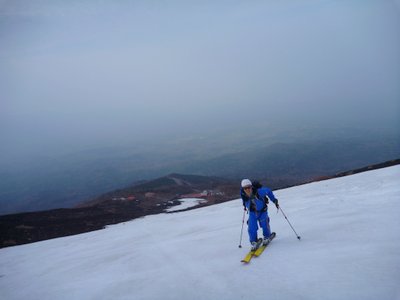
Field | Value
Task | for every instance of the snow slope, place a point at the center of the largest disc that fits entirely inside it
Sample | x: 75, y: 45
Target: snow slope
x: 350, y: 249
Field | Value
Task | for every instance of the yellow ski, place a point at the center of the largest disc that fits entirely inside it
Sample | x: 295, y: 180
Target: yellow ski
x: 262, y: 247
x: 260, y: 250
x: 249, y: 255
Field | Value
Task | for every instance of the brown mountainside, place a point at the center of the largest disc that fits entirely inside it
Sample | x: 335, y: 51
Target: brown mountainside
x: 150, y: 197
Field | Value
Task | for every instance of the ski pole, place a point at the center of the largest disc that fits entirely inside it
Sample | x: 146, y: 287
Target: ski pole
x: 298, y: 237
x: 241, y: 231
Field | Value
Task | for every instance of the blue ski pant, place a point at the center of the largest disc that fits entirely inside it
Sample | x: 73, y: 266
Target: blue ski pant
x: 255, y: 219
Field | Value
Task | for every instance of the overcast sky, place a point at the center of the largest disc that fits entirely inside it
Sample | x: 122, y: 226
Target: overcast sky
x: 97, y: 72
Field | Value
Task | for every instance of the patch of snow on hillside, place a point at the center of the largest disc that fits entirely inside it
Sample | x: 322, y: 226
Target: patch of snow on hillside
x: 186, y: 203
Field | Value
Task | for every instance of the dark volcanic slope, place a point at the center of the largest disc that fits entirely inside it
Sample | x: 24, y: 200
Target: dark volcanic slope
x: 25, y: 228
x: 147, y: 198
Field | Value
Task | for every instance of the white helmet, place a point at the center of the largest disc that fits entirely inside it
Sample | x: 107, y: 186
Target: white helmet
x: 246, y: 182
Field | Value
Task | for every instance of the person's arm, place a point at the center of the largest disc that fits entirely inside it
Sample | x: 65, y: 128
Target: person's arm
x: 267, y: 192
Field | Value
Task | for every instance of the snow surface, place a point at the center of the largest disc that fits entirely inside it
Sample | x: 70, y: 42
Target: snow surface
x: 350, y: 249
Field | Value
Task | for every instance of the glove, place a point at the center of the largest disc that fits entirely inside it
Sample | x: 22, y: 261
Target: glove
x: 244, y: 207
x: 276, y: 204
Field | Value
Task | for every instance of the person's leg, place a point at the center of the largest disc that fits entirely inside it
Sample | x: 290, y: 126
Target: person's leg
x: 264, y: 224
x: 252, y: 227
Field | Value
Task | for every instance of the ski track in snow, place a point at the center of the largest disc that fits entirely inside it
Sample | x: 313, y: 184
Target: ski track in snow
x: 349, y: 249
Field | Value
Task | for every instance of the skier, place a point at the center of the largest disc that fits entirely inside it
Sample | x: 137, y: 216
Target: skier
x: 255, y: 200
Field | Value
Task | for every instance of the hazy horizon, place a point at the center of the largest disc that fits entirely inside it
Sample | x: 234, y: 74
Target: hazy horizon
x: 81, y: 74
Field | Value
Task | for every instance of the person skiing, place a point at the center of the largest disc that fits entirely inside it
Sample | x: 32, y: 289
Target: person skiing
x: 255, y: 199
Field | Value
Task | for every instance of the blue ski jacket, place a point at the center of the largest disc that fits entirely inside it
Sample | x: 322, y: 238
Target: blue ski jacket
x: 259, y: 199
